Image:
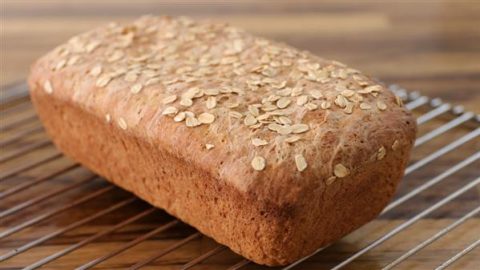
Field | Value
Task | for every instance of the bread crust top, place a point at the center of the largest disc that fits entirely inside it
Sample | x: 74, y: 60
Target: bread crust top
x: 265, y: 117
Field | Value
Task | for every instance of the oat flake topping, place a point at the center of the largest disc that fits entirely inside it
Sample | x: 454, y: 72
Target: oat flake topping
x: 207, y: 72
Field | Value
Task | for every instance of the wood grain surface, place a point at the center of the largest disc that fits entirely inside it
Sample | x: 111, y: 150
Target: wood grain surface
x: 430, y: 46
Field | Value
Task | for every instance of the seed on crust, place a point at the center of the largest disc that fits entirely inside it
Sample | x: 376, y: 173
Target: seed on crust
x: 96, y: 70
x: 231, y: 105
x: 302, y: 100
x: 192, y: 121
x: 357, y: 98
x: 250, y: 120
x: 381, y: 105
x: 187, y: 102
x: 284, y: 130
x: 300, y: 162
x: 191, y: 93
x: 257, y: 125
x: 152, y: 81
x: 325, y: 105
x: 341, y: 101
x: 263, y: 117
x: 235, y: 114
x: 122, y: 123
x: 259, y: 142
x: 300, y: 128
x: 209, y: 146
x: 211, y: 92
x: 171, y: 81
x: 316, y: 94
x: 253, y: 110
x: 297, y: 91
x: 108, y: 118
x: 179, y: 117
x: 273, y: 98
x: 349, y: 108
x: 284, y: 120
x: 211, y: 102
x: 274, y: 127
x: 189, y: 114
x: 348, y: 93
x: 292, y: 139
x: 283, y: 102
x: 116, y: 55
x: 399, y: 101
x: 47, y: 86
x: 149, y: 73
x: 103, y: 80
x: 265, y: 59
x: 365, y: 106
x: 92, y: 46
x: 285, y: 92
x: 199, y: 94
x: 60, y: 64
x: 268, y: 107
x: 258, y: 163
x: 169, y: 99
x: 340, y: 170
x: 170, y: 110
x: 311, y: 106
x: 371, y: 89
x: 330, y: 180
x: 395, y: 145
x: 130, y: 76
x: 381, y: 153
x: 340, y: 87
x: 136, y: 88
x: 206, y: 118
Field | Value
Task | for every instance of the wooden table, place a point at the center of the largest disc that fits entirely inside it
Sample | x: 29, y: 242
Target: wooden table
x: 432, y: 47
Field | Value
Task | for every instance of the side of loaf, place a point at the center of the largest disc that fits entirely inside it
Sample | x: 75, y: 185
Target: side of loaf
x: 269, y: 150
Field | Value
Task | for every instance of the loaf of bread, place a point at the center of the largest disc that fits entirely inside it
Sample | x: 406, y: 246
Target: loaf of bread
x: 269, y: 150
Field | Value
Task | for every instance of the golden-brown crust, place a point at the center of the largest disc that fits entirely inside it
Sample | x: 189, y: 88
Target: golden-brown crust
x: 272, y: 216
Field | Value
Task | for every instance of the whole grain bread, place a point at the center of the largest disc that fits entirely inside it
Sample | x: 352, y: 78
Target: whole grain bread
x: 269, y: 150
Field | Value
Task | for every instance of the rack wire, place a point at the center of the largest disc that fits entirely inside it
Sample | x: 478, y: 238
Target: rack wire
x: 36, y: 182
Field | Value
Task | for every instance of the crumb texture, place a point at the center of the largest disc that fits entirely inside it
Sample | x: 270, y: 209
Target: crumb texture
x: 270, y: 150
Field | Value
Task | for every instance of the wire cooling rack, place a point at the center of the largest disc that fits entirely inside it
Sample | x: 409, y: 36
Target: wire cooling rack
x: 56, y: 214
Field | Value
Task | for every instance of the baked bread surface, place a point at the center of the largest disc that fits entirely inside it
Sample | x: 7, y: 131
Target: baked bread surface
x: 269, y: 150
